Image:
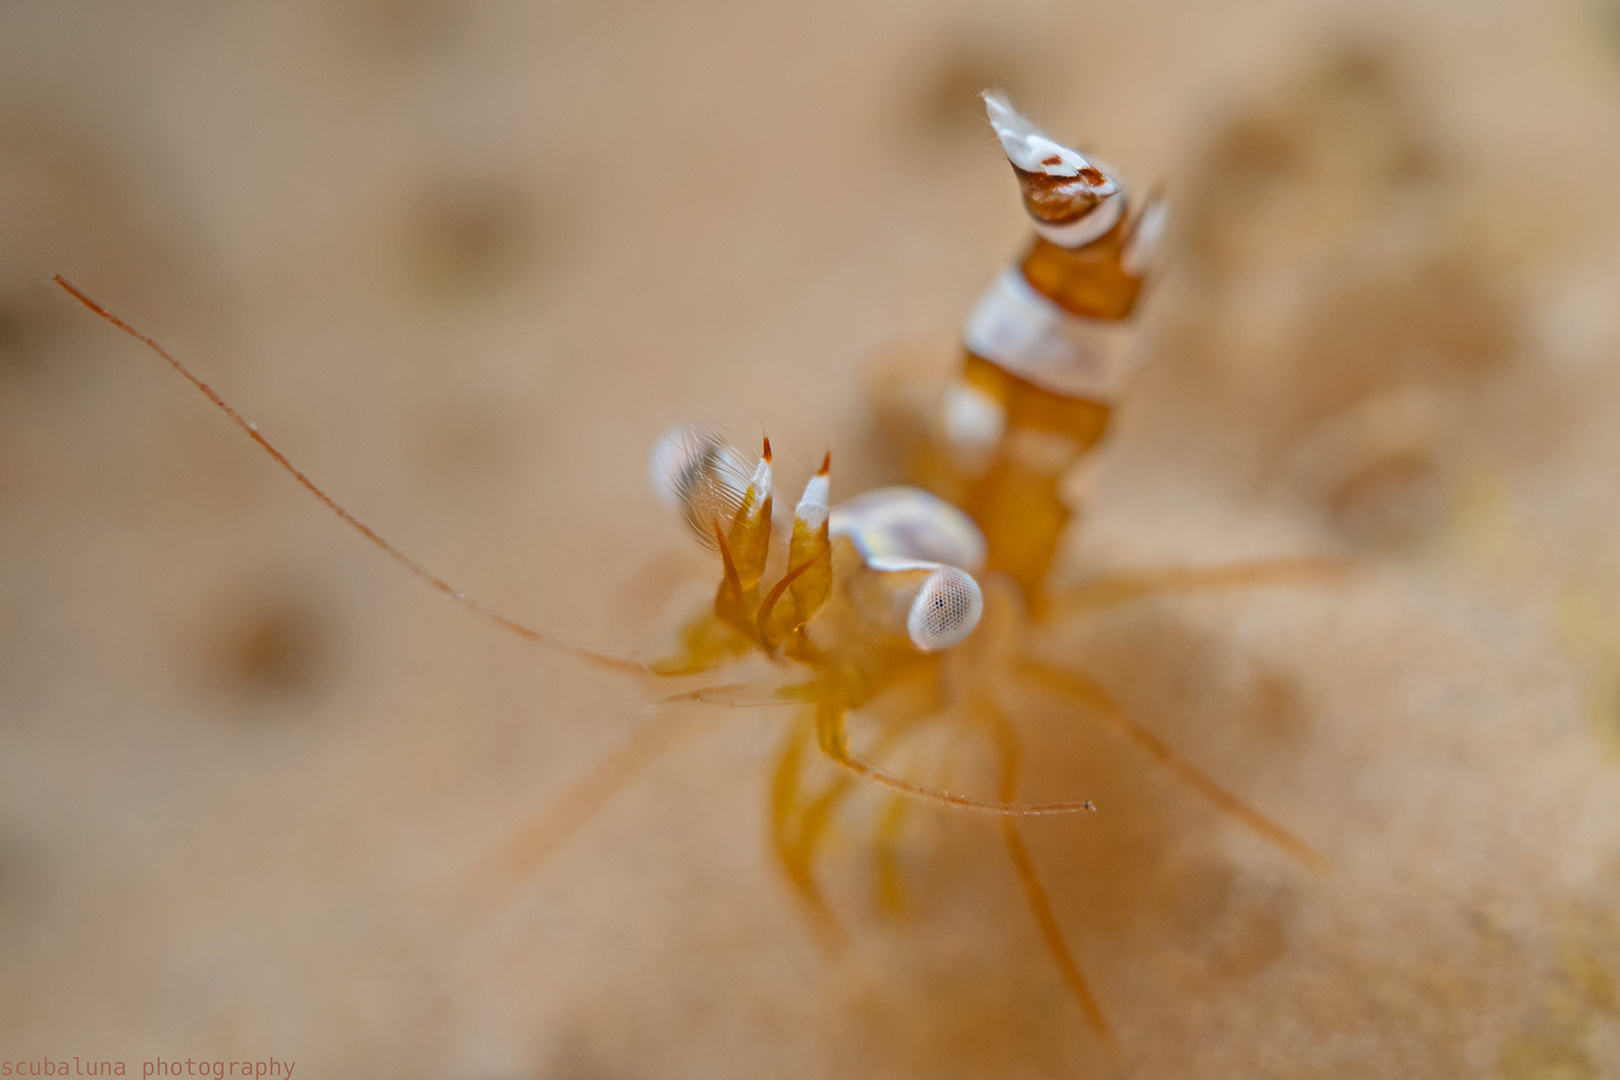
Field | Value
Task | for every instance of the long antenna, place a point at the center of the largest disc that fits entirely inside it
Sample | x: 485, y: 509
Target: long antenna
x: 612, y: 663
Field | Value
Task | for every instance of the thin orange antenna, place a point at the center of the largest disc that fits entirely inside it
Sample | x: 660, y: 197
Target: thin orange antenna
x: 826, y: 464
x: 747, y: 695
x: 612, y: 663
x: 882, y: 777
x: 1129, y: 586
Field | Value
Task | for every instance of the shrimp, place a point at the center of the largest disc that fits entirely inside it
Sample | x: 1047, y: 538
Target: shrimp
x: 941, y: 583
x: 1046, y: 350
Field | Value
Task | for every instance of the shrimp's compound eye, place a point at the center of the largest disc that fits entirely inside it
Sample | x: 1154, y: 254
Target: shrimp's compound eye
x: 946, y: 610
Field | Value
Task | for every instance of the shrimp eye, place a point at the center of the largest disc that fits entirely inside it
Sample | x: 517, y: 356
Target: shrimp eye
x: 946, y: 610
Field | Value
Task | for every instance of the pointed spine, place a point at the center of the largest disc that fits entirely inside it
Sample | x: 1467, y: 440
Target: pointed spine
x: 750, y: 538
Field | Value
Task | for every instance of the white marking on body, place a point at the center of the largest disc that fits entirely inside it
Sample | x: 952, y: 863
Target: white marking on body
x: 813, y: 504
x: 1030, y: 336
x: 908, y: 523
x: 974, y: 420
x: 1032, y: 150
x: 761, y: 480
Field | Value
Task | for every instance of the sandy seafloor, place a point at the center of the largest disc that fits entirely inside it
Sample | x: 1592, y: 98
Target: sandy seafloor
x: 465, y: 262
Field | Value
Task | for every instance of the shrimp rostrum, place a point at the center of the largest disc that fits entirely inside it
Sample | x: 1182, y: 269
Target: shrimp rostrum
x: 929, y: 593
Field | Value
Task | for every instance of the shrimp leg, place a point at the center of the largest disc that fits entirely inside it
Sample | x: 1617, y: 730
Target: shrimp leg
x: 1100, y: 703
x: 1116, y: 589
x: 795, y: 847
x: 501, y: 872
x: 1010, y: 754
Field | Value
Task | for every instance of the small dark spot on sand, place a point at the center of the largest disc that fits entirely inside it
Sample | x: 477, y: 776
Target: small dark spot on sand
x: 472, y: 237
x: 405, y: 31
x: 271, y: 647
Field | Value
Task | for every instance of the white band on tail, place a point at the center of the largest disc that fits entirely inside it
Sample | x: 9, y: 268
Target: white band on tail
x: 1034, y: 151
x: 1082, y: 231
x: 1030, y: 336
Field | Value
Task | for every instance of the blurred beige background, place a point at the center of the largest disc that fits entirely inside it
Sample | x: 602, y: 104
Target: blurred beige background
x: 464, y: 262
